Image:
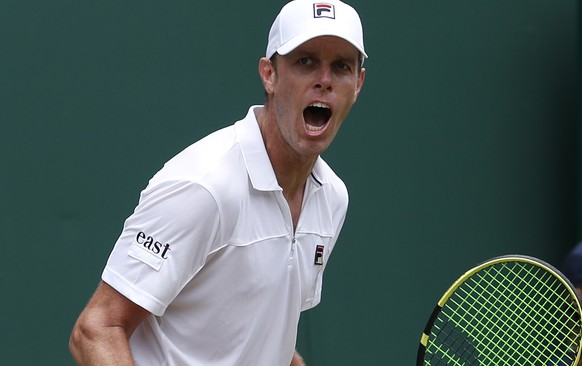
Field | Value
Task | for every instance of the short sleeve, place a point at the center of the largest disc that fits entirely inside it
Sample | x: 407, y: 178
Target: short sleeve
x: 163, y: 243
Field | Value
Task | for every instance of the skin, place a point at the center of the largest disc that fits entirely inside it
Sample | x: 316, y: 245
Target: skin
x: 326, y: 70
x: 101, y: 333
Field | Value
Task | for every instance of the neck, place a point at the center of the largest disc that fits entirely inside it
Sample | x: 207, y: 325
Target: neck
x: 291, y: 169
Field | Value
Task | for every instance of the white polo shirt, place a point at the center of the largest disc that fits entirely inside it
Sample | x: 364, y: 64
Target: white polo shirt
x: 210, y: 251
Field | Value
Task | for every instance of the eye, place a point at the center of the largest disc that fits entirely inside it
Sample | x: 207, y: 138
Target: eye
x: 342, y: 66
x: 305, y: 61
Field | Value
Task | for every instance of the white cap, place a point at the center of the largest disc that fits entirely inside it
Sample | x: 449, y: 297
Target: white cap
x: 302, y: 20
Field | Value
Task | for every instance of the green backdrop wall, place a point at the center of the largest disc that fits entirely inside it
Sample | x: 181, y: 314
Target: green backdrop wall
x: 463, y: 146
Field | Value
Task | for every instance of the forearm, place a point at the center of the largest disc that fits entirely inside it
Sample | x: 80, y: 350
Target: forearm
x: 108, y: 346
x: 101, y: 334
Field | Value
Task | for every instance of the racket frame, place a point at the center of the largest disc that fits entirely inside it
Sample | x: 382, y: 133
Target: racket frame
x: 504, y: 258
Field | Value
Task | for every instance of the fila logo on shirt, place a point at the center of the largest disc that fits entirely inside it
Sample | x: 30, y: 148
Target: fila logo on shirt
x: 152, y: 245
x: 319, y: 255
x: 323, y: 10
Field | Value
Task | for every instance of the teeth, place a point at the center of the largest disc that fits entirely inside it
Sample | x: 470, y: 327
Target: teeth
x: 319, y: 105
x: 313, y: 128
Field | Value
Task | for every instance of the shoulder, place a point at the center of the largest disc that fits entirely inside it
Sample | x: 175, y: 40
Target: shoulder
x: 329, y: 179
x: 200, y: 157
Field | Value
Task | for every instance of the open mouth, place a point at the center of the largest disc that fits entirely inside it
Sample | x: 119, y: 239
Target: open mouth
x: 316, y: 116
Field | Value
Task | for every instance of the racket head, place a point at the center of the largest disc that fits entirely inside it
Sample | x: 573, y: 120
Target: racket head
x: 509, y: 310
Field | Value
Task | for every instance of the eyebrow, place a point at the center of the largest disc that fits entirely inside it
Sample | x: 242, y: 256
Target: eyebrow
x: 339, y: 57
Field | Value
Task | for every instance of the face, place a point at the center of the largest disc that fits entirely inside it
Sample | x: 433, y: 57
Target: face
x: 311, y: 91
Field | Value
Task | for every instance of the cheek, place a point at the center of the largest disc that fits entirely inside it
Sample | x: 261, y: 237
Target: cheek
x: 286, y: 122
x: 348, y: 101
x: 288, y: 103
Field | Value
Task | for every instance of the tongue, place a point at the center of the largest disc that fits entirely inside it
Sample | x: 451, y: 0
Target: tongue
x: 315, y: 116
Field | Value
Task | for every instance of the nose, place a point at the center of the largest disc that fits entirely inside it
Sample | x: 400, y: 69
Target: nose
x: 324, y: 79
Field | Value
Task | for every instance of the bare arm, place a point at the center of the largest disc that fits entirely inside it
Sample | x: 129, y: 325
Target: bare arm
x: 297, y: 360
x: 101, y: 334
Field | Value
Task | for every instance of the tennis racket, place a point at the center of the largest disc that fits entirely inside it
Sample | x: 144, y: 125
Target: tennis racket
x: 512, y: 310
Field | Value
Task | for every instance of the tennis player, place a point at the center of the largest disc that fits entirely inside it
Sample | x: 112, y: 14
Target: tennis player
x: 229, y: 240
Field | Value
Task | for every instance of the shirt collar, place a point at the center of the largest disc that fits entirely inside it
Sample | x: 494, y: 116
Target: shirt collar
x: 254, y: 153
x: 257, y: 160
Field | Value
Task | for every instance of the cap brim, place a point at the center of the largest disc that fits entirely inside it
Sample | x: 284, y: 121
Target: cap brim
x: 296, y: 41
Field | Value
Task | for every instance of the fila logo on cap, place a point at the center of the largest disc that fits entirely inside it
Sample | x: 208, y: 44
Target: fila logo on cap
x: 323, y: 10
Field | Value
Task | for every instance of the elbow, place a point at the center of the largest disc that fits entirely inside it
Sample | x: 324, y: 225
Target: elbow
x: 77, y: 340
x: 74, y: 343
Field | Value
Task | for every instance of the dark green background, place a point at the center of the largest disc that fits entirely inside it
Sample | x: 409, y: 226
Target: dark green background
x: 464, y: 145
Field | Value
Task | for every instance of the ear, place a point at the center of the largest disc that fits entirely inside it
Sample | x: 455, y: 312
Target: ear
x: 267, y: 74
x: 361, y: 79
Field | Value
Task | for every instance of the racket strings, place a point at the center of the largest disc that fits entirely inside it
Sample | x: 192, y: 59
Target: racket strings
x: 522, y: 300
x: 486, y: 318
x: 510, y: 314
x: 535, y: 301
x: 520, y: 314
x: 453, y: 347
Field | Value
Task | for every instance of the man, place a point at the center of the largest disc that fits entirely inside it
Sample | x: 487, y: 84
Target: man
x: 230, y: 238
